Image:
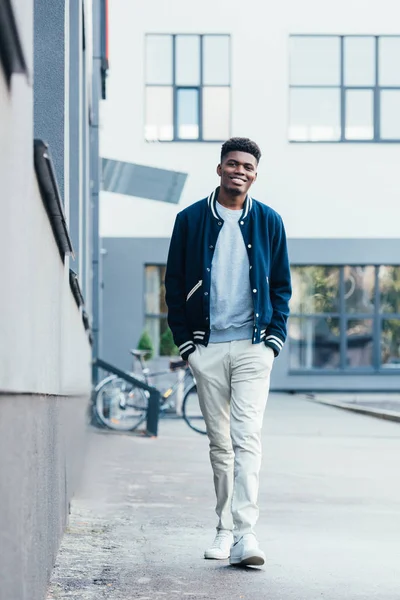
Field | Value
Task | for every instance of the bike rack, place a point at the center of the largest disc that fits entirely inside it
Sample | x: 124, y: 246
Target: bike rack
x: 153, y: 409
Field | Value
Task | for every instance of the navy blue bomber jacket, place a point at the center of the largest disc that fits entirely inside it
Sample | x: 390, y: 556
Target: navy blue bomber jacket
x: 188, y: 275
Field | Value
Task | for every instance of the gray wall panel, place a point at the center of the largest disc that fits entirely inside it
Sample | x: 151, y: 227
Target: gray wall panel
x: 123, y: 293
x: 344, y: 251
x: 75, y: 149
x: 49, y: 80
x: 38, y: 475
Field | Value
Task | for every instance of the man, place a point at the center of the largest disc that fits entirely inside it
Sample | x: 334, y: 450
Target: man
x: 227, y: 290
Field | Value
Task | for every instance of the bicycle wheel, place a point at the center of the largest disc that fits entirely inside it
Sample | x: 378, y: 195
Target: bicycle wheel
x: 191, y: 411
x: 120, y: 405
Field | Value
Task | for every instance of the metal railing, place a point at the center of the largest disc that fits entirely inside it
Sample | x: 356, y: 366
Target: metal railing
x: 153, y: 408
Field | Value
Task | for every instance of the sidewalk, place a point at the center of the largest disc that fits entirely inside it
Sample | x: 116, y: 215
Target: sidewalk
x: 330, y: 519
x: 380, y: 405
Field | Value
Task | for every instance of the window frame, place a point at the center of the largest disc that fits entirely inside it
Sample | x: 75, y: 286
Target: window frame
x: 200, y: 87
x: 377, y: 317
x: 376, y: 89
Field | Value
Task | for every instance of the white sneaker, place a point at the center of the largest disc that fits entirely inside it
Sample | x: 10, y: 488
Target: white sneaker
x: 221, y: 546
x: 245, y: 552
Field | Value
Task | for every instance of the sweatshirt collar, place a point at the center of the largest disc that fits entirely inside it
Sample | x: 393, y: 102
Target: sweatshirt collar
x: 212, y: 204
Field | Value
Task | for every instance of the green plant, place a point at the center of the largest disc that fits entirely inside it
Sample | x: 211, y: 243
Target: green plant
x: 145, y: 343
x: 167, y: 345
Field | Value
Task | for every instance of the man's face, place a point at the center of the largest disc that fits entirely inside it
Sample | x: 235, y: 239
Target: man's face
x: 238, y: 171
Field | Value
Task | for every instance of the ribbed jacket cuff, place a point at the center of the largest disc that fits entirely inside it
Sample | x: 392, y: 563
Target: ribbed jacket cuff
x: 186, y: 349
x: 274, y: 342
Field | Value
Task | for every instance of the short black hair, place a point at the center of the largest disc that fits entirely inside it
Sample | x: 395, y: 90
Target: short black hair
x: 239, y: 144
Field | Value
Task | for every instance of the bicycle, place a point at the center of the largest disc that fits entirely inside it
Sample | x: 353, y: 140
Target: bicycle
x: 122, y: 406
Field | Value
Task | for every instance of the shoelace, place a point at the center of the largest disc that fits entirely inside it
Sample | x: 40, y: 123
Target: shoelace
x: 220, y: 537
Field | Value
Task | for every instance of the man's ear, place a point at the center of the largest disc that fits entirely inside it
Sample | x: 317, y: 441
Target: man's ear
x: 219, y: 171
x: 256, y: 175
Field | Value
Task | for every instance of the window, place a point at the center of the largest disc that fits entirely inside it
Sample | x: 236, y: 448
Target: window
x: 344, y: 88
x: 156, y: 311
x: 345, y: 318
x: 187, y: 88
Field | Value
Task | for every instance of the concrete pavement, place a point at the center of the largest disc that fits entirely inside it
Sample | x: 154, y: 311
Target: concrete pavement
x: 382, y: 406
x: 329, y: 523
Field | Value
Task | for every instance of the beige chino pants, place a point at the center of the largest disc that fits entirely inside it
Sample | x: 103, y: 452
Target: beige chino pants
x: 233, y: 384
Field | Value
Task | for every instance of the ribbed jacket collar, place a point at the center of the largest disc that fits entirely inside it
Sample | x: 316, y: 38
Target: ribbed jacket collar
x: 212, y: 205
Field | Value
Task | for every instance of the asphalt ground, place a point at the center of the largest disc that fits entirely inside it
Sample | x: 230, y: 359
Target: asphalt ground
x: 329, y: 520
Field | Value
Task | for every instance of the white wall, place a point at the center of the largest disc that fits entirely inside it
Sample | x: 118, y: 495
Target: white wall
x: 321, y: 190
x: 43, y: 344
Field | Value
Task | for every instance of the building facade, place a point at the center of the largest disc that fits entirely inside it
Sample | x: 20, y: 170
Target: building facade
x: 50, y: 87
x: 318, y: 88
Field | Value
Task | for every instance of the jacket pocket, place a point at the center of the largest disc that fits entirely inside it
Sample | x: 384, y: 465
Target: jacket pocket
x: 194, y: 289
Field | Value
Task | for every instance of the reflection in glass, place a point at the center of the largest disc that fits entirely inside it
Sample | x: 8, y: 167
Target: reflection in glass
x: 155, y: 306
x: 152, y: 290
x: 159, y: 124
x: 314, y: 343
x: 314, y: 60
x: 187, y: 53
x: 359, y: 115
x: 216, y: 69
x: 359, y: 289
x: 159, y: 59
x: 389, y: 285
x: 390, y: 344
x: 153, y: 328
x: 390, y: 114
x: 216, y: 113
x: 348, y: 340
x: 155, y: 290
x: 188, y: 114
x: 359, y: 61
x: 315, y: 289
x: 359, y: 343
x: 163, y: 310
x: 314, y: 114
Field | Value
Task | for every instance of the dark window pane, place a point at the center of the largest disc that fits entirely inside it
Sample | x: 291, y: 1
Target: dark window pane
x: 314, y: 115
x: 315, y: 289
x: 390, y: 114
x: 359, y: 61
x: 389, y: 285
x: 187, y: 52
x: 359, y: 115
x: 389, y: 61
x: 390, y: 344
x: 159, y: 59
x: 359, y: 289
x: 216, y: 60
x: 188, y: 114
x: 314, y: 60
x: 314, y: 343
x: 359, y: 343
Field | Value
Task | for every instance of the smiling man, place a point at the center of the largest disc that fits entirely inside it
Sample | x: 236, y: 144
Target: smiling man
x: 228, y: 290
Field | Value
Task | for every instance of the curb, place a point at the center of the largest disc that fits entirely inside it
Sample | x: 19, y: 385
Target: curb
x: 388, y: 415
